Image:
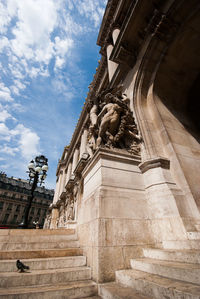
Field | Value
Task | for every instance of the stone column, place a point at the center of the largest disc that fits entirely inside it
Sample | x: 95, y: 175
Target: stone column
x: 83, y: 142
x: 69, y: 172
x: 60, y: 183
x: 75, y: 159
x: 55, y: 198
x: 112, y: 66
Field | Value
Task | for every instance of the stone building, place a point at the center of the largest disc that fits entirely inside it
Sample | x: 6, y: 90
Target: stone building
x: 13, y: 200
x: 130, y: 177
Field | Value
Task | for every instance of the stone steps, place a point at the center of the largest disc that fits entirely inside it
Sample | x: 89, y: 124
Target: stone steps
x: 176, y: 270
x: 186, y: 256
x: 181, y: 244
x: 44, y: 263
x: 37, y: 238
x: 41, y: 245
x: 40, y: 253
x: 116, y: 291
x: 42, y: 277
x: 79, y: 289
x: 57, y: 265
x: 156, y: 286
x: 160, y: 274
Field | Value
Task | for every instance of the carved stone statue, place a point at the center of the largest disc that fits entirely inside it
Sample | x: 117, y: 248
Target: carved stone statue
x: 47, y: 221
x: 71, y: 210
x: 93, y: 114
x: 109, y: 119
x: 112, y: 123
x: 61, y: 215
x: 71, y: 202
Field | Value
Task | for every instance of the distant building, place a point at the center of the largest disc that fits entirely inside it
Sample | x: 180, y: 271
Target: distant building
x: 14, y: 194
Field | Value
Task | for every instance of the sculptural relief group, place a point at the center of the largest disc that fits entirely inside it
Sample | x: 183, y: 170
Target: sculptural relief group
x: 112, y: 124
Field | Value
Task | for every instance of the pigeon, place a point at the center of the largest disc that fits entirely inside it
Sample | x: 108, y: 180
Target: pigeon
x: 21, y: 267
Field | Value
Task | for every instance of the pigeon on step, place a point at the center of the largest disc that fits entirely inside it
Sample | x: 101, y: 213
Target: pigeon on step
x: 21, y: 267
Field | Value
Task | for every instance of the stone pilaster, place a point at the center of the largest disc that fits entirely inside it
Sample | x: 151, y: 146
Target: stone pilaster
x: 83, y: 142
x: 69, y: 172
x: 75, y: 159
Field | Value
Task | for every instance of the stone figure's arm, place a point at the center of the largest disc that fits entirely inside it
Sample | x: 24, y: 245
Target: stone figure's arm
x: 101, y: 114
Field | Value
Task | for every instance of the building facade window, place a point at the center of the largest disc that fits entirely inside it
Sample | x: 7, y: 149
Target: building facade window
x: 5, y: 218
x: 9, y: 208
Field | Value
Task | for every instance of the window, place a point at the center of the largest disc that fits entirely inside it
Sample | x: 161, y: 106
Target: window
x: 1, y: 205
x: 14, y: 219
x: 5, y: 218
x: 9, y: 208
x: 18, y: 208
x: 39, y: 210
x: 32, y: 210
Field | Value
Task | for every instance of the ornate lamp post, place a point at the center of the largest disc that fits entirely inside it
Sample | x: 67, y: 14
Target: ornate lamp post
x: 37, y: 173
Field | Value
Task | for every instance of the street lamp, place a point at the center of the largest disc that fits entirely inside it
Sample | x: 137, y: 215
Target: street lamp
x: 37, y: 174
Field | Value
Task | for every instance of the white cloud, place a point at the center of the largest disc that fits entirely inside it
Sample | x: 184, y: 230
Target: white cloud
x: 93, y: 10
x: 28, y: 141
x: 5, y: 94
x: 36, y: 21
x: 4, y: 129
x: 4, y: 43
x: 8, y: 150
x: 4, y: 115
x: 4, y: 18
x: 62, y: 47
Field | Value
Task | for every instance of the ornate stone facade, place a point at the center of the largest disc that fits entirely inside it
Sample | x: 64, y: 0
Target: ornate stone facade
x: 130, y: 176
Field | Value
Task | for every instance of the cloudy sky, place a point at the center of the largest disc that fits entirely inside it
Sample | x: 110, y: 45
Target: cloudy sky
x: 48, y: 56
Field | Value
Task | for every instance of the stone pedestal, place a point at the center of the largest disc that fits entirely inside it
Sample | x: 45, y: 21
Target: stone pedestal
x: 112, y: 213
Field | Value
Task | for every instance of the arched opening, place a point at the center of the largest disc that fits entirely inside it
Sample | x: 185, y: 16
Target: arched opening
x: 176, y: 90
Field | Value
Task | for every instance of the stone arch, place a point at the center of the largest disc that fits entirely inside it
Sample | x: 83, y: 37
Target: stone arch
x: 157, y: 104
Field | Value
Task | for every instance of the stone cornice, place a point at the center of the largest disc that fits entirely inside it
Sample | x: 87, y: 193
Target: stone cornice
x: 111, y: 154
x: 109, y: 22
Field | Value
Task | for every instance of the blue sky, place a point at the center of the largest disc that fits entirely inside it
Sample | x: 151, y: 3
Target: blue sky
x: 48, y: 56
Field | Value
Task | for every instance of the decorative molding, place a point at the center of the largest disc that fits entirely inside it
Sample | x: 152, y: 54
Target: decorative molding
x: 161, y: 26
x: 81, y: 164
x: 70, y: 183
x: 124, y: 54
x: 154, y: 163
